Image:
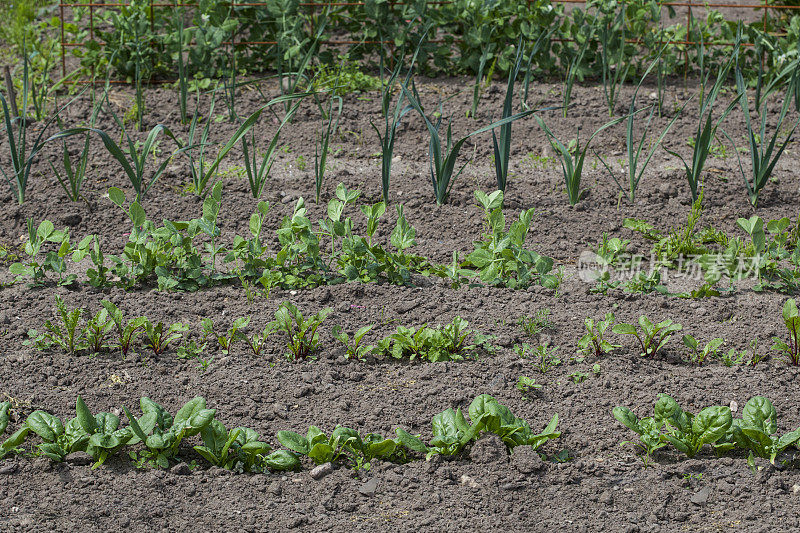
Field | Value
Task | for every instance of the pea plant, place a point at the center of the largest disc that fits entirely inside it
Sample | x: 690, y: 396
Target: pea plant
x: 501, y: 259
x: 36, y: 267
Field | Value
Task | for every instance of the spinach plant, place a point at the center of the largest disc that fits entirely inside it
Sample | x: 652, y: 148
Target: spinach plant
x: 648, y: 429
x: 168, y: 431
x: 343, y: 442
x: 756, y: 430
x: 5, y: 407
x: 12, y: 444
x: 686, y: 432
x: 105, y: 438
x: 452, y: 432
x: 240, y: 449
x: 58, y: 440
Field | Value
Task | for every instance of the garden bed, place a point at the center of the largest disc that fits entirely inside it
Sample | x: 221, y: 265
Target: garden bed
x: 587, y: 480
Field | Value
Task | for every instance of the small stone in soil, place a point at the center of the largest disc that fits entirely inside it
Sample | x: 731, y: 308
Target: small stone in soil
x: 321, y: 471
x: 369, y: 487
x: 701, y: 496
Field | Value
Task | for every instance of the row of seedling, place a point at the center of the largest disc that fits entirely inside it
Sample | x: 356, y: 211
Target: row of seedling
x: 155, y: 438
x: 189, y: 255
x: 108, y: 330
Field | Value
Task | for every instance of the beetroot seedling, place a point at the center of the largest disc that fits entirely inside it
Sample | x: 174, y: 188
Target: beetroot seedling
x: 301, y: 333
x: 593, y: 342
x: 790, y: 349
x: 697, y: 355
x: 354, y: 350
x: 159, y: 337
x: 652, y: 337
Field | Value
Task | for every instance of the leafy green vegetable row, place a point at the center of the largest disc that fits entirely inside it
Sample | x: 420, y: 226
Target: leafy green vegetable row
x: 715, y: 426
x: 108, y: 329
x: 169, y: 257
x: 769, y: 254
x: 161, y: 435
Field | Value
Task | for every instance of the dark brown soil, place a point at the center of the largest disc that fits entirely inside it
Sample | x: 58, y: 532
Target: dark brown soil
x: 603, y: 487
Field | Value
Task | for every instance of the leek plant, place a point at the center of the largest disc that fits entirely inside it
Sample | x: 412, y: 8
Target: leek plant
x: 502, y: 149
x: 634, y: 146
x: 257, y: 173
x: 138, y: 153
x: 16, y: 133
x: 74, y: 176
x: 240, y: 134
x: 480, y: 83
x: 615, y: 68
x: 443, y: 155
x: 183, y: 71
x: 572, y: 160
x: 764, y: 155
x: 330, y: 119
x: 542, y: 40
x: 707, y: 127
x: 390, y: 125
x: 197, y: 152
x: 290, y: 81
